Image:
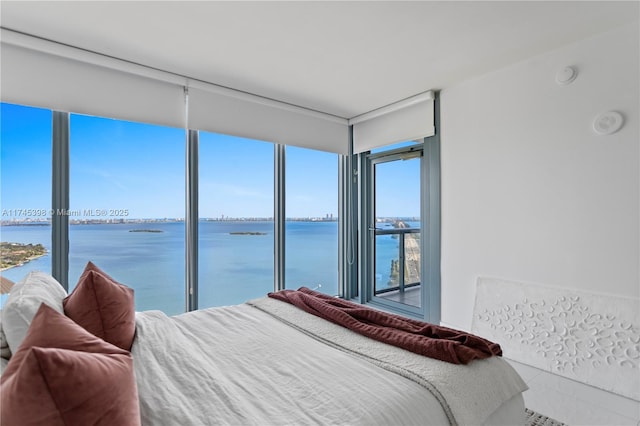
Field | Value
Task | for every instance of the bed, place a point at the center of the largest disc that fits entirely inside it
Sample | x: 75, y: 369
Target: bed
x: 264, y: 362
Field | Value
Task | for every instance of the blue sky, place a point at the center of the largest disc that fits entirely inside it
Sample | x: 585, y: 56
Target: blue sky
x: 25, y: 151
x: 119, y: 165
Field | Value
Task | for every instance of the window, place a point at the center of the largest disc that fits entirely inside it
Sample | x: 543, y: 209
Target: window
x: 236, y: 228
x: 311, y: 231
x: 127, y: 207
x: 25, y: 185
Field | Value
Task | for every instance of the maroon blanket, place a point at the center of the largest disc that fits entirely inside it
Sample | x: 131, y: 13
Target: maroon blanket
x: 426, y: 339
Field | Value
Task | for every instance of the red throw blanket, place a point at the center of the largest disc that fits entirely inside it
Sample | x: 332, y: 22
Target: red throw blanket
x: 426, y: 339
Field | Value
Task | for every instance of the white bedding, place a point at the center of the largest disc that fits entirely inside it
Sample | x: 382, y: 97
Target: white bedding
x: 241, y: 365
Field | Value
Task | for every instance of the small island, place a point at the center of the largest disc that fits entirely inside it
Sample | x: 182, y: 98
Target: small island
x: 247, y: 233
x: 146, y: 230
x: 17, y: 254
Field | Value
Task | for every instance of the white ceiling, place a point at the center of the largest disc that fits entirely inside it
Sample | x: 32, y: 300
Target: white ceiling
x: 342, y: 58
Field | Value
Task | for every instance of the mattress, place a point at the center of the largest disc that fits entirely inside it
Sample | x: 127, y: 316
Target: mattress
x: 269, y: 363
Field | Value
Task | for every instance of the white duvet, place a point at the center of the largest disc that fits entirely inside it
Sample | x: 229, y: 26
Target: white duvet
x: 241, y: 365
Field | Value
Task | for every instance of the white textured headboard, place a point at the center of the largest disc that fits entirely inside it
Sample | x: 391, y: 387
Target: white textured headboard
x: 589, y: 337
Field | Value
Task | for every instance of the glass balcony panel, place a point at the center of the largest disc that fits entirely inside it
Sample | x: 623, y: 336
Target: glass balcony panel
x: 403, y: 274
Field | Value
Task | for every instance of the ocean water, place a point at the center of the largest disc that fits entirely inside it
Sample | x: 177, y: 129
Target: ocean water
x: 231, y: 268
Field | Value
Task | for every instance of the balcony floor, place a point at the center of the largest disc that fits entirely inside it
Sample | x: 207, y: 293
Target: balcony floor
x: 411, y: 296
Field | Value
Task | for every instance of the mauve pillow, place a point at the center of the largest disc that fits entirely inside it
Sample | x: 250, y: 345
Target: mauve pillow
x: 63, y: 375
x: 51, y: 329
x: 63, y: 387
x: 103, y: 307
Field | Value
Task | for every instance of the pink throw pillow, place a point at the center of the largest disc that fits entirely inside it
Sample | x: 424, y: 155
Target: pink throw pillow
x: 103, y: 307
x: 62, y: 375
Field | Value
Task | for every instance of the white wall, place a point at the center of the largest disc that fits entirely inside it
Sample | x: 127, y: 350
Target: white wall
x: 529, y: 192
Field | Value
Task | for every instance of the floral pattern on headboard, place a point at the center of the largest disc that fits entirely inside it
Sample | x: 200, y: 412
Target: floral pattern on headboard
x: 585, y: 336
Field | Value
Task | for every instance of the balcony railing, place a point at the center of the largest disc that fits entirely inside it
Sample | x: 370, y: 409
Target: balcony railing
x: 406, y: 272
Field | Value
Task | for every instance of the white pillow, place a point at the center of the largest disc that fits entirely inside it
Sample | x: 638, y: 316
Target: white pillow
x: 23, y: 302
x: 5, y: 353
x: 3, y: 365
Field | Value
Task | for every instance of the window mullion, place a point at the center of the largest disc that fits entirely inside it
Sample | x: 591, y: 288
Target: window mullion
x: 60, y: 199
x: 279, y: 217
x: 430, y: 243
x: 365, y: 217
x: 191, y: 220
x: 348, y: 220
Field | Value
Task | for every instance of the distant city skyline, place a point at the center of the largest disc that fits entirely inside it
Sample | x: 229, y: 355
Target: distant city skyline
x: 83, y: 220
